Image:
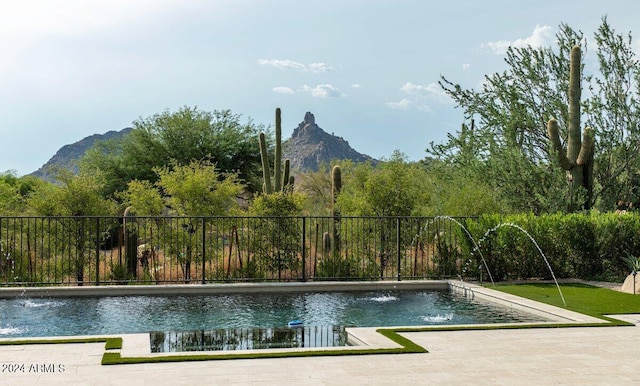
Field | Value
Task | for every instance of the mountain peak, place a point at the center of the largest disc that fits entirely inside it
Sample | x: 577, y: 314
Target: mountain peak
x: 310, y: 146
x: 309, y: 119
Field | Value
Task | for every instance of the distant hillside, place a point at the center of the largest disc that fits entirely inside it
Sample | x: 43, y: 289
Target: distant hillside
x: 68, y: 155
x: 310, y: 146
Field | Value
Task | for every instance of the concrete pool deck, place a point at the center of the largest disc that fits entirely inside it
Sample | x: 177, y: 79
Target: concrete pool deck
x: 540, y: 356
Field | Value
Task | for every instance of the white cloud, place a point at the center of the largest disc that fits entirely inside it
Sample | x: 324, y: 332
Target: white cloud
x: 432, y: 91
x: 404, y: 104
x: 286, y: 64
x: 411, y: 88
x: 356, y: 85
x: 541, y: 36
x: 466, y: 67
x: 319, y: 67
x: 283, y: 90
x: 283, y: 64
x: 323, y: 91
x: 419, y: 96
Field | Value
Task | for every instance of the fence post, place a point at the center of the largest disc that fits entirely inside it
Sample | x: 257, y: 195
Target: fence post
x: 2, y: 256
x: 304, y: 249
x: 97, y: 250
x: 398, y: 246
x: 204, y: 245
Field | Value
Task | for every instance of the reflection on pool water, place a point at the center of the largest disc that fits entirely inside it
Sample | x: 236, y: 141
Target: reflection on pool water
x: 31, y: 317
x: 231, y: 339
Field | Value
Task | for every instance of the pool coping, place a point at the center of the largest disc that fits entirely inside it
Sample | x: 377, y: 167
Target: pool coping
x: 363, y: 340
x: 218, y: 288
x: 554, y: 314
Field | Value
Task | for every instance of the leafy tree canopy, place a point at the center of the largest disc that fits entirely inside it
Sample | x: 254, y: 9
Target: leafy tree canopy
x: 393, y: 188
x: 454, y: 192
x: 177, y: 138
x: 316, y: 187
x: 508, y: 145
x: 14, y: 192
x: 196, y: 189
x: 277, y: 204
x: 9, y: 198
x: 77, y: 195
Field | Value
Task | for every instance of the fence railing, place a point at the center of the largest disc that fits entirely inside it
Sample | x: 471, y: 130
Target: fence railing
x: 161, y: 250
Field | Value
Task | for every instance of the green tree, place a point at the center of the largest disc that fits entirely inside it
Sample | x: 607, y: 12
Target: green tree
x: 9, y: 198
x: 71, y: 204
x: 77, y: 195
x: 143, y: 198
x: 276, y: 242
x: 277, y: 204
x: 14, y: 192
x: 512, y: 108
x: 613, y: 110
x: 316, y: 188
x: 456, y: 192
x: 392, y: 188
x: 178, y: 138
x: 194, y: 192
x: 197, y: 189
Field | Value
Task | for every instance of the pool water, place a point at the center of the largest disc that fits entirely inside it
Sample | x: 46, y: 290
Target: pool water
x: 33, y: 317
x: 232, y: 339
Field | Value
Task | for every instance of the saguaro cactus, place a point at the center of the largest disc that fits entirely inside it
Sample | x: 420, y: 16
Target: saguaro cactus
x: 280, y: 182
x: 336, y: 187
x: 277, y: 167
x: 266, y: 173
x: 577, y: 160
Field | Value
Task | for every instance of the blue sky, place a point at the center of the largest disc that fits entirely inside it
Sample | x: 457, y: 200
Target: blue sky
x: 367, y: 69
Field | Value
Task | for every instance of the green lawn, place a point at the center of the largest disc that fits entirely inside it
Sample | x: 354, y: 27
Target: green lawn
x: 586, y: 299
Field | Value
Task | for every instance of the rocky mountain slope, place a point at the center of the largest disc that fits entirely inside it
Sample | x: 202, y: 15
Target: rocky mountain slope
x: 310, y: 146
x: 68, y: 155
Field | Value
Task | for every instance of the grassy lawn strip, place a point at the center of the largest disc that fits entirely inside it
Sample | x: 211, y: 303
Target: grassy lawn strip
x: 407, y: 347
x: 582, y: 298
x: 110, y: 343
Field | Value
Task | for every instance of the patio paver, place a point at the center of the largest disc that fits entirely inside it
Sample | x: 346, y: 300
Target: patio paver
x: 561, y: 356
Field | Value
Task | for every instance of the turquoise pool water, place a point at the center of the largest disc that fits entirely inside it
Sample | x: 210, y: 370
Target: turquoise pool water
x: 33, y: 317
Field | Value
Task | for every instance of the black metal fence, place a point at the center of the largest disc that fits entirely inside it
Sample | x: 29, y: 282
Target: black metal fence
x: 161, y: 250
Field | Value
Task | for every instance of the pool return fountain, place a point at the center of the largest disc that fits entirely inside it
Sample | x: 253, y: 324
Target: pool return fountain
x: 475, y: 245
x: 495, y: 229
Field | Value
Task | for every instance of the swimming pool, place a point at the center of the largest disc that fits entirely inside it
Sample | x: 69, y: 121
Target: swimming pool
x: 25, y: 316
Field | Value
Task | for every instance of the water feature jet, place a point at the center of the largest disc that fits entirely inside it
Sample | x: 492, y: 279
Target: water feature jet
x: 516, y: 226
x: 476, y: 248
